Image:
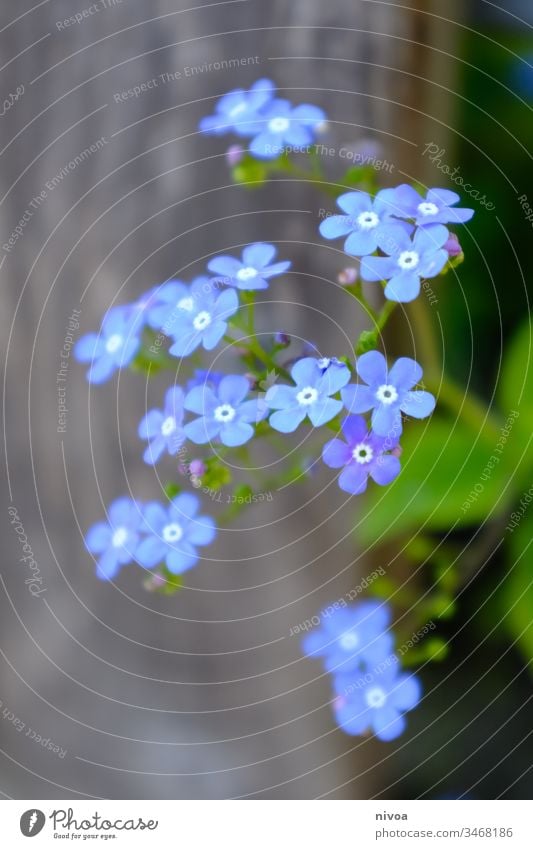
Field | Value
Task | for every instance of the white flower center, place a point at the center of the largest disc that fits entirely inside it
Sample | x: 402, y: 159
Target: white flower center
x: 349, y: 641
x: 202, y: 320
x: 172, y: 532
x: 114, y: 343
x: 408, y: 260
x: 278, y: 125
x: 307, y: 396
x: 367, y: 220
x: 427, y: 208
x: 119, y: 537
x: 186, y: 304
x: 387, y: 394
x: 225, y: 413
x: 323, y: 363
x: 246, y: 273
x: 362, y: 453
x: 375, y: 697
x: 168, y: 426
x: 237, y: 110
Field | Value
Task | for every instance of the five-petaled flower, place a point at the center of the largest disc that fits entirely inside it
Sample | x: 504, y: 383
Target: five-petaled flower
x: 376, y: 701
x: 366, y: 220
x: 408, y: 260
x: 438, y: 207
x: 239, y: 111
x: 223, y: 412
x: 389, y: 393
x: 173, y: 534
x: 361, y: 456
x: 115, y: 541
x: 253, y: 271
x: 163, y: 428
x: 113, y: 348
x: 351, y: 636
x: 285, y: 125
x: 203, y: 317
x: 315, y: 382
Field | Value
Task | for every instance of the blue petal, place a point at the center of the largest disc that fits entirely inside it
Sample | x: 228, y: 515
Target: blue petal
x: 280, y: 397
x: 336, y: 453
x: 354, y: 202
x: 253, y: 411
x: 184, y: 506
x: 186, y: 343
x: 259, y: 255
x: 387, y: 421
x: 101, y: 369
x: 151, y: 551
x: 372, y: 368
x: 202, y: 531
x: 405, y: 373
x: 406, y: 692
x: 98, y: 538
x: 150, y: 426
x: 123, y: 511
x: 430, y: 238
x: 233, y: 389
x: 236, y: 433
x: 354, y: 429
x: 226, y: 304
x: 200, y: 399
x: 358, y: 398
x: 182, y: 560
x: 334, y: 378
x: 442, y: 197
x: 361, y: 243
x: 202, y: 430
x: 386, y: 468
x: 335, y: 226
x: 227, y: 266
x: 154, y: 450
x: 403, y: 287
x: 108, y: 566
x: 308, y: 114
x: 89, y: 347
x: 353, y: 479
x: 266, y: 145
x: 214, y: 333
x: 433, y: 264
x: 306, y: 372
x: 418, y: 404
x: 277, y: 268
x: 388, y: 724
x: 155, y: 517
x: 374, y: 268
x: 286, y: 421
x: 323, y: 410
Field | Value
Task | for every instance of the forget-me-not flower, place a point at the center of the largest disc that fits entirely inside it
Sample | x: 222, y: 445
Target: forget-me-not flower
x: 438, y: 207
x: 173, y: 298
x: 173, y: 534
x: 163, y: 428
x: 285, y: 126
x: 388, y: 393
x: 365, y: 220
x: 239, y: 110
x: 360, y: 455
x: 376, y: 701
x: 223, y: 412
x: 253, y: 271
x: 315, y: 382
x: 204, y: 319
x: 351, y: 637
x: 111, y: 349
x: 409, y: 260
x: 115, y: 541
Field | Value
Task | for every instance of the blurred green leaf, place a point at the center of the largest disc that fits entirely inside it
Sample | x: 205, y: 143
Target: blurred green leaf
x: 516, y: 594
x: 442, y: 471
x: 515, y: 389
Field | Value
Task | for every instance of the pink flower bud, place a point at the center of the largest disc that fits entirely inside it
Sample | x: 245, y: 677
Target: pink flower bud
x: 234, y: 154
x: 453, y: 246
x: 347, y: 276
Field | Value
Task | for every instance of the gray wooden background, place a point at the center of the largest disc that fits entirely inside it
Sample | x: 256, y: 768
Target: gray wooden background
x: 206, y: 694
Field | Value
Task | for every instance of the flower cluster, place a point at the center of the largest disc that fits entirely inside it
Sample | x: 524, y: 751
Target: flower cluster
x: 407, y: 228
x: 149, y: 535
x: 356, y: 646
x: 272, y: 124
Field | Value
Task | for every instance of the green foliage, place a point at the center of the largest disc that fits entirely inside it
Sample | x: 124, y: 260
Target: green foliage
x: 516, y: 594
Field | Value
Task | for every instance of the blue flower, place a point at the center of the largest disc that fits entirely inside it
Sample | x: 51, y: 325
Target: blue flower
x: 223, y: 412
x: 253, y: 271
x: 376, y: 701
x: 171, y: 301
x: 436, y: 208
x: 362, y: 455
x: 203, y: 319
x: 201, y: 377
x: 284, y: 126
x: 310, y: 397
x: 115, y: 541
x: 388, y: 393
x: 351, y: 637
x: 366, y: 220
x: 409, y: 260
x: 173, y: 534
x: 163, y: 428
x: 113, y: 348
x: 239, y: 110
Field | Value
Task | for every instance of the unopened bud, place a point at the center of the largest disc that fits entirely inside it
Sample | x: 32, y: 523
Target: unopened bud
x: 234, y: 154
x: 347, y: 276
x: 453, y: 246
x: 197, y: 468
x: 281, y: 338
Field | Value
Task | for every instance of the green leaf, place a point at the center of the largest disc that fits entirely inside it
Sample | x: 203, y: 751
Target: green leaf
x: 440, y: 484
x: 515, y: 388
x: 516, y: 594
